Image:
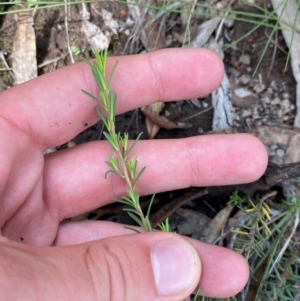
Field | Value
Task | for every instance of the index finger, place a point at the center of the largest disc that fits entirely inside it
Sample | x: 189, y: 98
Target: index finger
x: 53, y: 109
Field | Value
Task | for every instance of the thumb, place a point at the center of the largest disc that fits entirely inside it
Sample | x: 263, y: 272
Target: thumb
x: 149, y: 266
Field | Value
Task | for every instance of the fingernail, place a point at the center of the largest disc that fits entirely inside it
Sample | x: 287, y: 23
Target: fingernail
x: 175, y: 266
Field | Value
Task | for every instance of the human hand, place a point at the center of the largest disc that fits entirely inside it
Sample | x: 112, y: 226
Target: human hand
x: 93, y: 260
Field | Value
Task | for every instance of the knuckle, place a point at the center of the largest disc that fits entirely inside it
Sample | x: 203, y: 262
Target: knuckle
x: 110, y: 271
x: 194, y: 165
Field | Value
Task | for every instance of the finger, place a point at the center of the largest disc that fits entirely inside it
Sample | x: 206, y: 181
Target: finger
x: 54, y: 103
x: 75, y: 183
x: 21, y: 163
x: 149, y: 267
x: 217, y: 263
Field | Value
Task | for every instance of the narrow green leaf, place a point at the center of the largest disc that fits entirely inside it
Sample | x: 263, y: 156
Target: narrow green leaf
x: 125, y: 141
x: 132, y: 210
x: 168, y: 226
x: 104, y: 60
x: 130, y: 228
x: 112, y: 162
x: 127, y: 202
x: 98, y: 74
x: 150, y: 205
x: 118, y: 138
x: 135, y: 163
x: 88, y: 62
x: 101, y: 114
x: 133, y: 144
x: 123, y: 202
x: 111, y: 141
x: 136, y: 219
x: 131, y: 166
x: 104, y: 99
x: 112, y: 171
x: 112, y: 105
x: 138, y: 176
x: 92, y: 96
x: 165, y: 226
x: 112, y: 72
x: 127, y: 199
x: 134, y: 197
x: 99, y: 59
x: 149, y: 226
x: 104, y: 119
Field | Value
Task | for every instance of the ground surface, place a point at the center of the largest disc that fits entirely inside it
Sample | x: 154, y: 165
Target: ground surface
x: 269, y: 106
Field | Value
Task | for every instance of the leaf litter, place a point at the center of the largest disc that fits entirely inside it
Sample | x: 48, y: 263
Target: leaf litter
x: 263, y: 105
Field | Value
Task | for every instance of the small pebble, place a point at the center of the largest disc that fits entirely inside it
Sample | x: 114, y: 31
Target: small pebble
x: 205, y: 104
x: 275, y: 101
x: 71, y: 144
x: 266, y: 100
x: 244, y: 79
x: 50, y: 150
x: 258, y: 88
x: 285, y: 95
x: 245, y: 59
x: 200, y: 130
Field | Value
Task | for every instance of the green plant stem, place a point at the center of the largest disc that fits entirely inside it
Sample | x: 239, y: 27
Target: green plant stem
x: 120, y: 165
x: 127, y: 177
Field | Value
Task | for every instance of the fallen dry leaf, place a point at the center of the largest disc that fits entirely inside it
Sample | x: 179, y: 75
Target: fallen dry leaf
x: 160, y: 122
x: 214, y: 228
x: 152, y: 127
x: 24, y: 49
x: 242, y: 97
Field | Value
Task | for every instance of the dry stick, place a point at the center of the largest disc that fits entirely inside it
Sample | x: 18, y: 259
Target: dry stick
x: 7, y: 68
x: 197, y: 114
x: 162, y: 121
x: 67, y: 32
x: 167, y: 210
x: 283, y: 173
x: 48, y: 62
